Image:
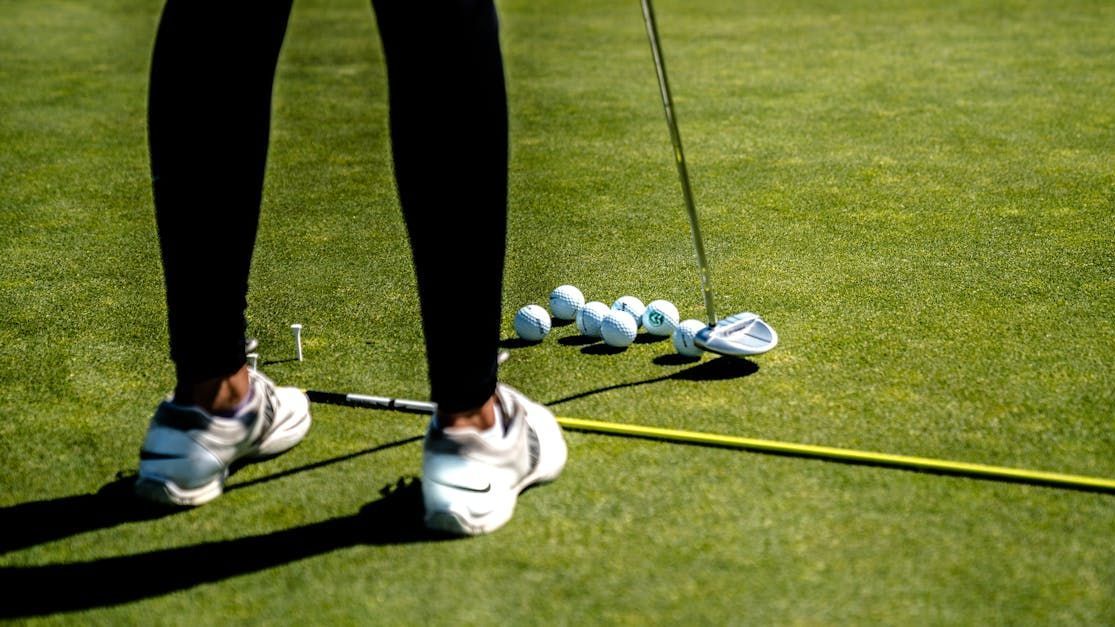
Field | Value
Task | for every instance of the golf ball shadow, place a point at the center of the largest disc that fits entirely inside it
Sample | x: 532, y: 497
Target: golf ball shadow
x: 603, y: 349
x: 517, y: 342
x: 578, y: 340
x: 650, y: 338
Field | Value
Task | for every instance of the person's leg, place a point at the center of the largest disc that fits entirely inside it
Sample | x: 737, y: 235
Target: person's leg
x: 209, y: 117
x: 449, y: 138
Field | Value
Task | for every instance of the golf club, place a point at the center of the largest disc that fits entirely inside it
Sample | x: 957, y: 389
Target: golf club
x: 906, y: 462
x: 741, y: 334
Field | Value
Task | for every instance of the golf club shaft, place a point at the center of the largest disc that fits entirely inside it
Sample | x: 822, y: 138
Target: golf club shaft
x: 907, y: 462
x: 679, y: 157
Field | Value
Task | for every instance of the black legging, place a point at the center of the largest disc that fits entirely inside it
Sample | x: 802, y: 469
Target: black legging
x: 209, y: 120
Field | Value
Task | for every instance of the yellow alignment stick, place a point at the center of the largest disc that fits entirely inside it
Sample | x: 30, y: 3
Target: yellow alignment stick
x: 841, y: 454
x: 1078, y: 482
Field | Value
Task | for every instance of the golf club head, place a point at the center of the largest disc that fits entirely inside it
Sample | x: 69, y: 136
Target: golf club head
x: 738, y: 335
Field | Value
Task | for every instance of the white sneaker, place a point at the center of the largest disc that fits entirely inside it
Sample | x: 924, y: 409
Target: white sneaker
x: 470, y: 484
x: 186, y: 455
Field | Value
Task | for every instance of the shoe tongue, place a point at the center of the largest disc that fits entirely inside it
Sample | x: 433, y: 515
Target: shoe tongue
x: 501, y: 426
x: 506, y: 409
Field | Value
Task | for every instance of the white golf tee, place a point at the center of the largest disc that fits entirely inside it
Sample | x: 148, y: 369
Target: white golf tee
x: 297, y: 330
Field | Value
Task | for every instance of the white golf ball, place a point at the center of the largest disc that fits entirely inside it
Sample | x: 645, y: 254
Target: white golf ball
x: 532, y: 323
x: 660, y: 318
x: 684, y: 335
x: 589, y: 318
x: 618, y: 328
x: 566, y: 301
x: 631, y: 305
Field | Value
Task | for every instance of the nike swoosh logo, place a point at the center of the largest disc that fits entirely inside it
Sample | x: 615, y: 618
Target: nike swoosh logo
x: 456, y: 486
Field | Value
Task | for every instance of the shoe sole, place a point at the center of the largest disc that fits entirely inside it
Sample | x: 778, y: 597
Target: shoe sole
x: 284, y: 438
x: 166, y: 492
x: 468, y: 523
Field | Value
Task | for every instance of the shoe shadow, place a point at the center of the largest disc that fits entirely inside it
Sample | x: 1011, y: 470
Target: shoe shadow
x: 396, y: 518
x: 38, y: 522
x: 719, y: 369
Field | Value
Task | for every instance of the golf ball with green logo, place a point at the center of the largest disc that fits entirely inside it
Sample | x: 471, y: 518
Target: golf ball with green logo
x: 660, y: 318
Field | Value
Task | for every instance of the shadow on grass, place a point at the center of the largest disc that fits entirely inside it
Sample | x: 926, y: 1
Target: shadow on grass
x: 602, y: 349
x: 272, y: 362
x: 675, y: 359
x: 37, y: 522
x: 517, y: 342
x: 719, y: 369
x: 578, y: 340
x: 396, y: 518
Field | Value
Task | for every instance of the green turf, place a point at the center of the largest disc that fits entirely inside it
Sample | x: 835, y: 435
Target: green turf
x: 918, y: 195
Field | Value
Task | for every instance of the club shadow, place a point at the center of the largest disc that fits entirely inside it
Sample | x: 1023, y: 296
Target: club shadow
x: 395, y: 518
x: 719, y: 369
x: 38, y: 522
x: 272, y: 362
x: 675, y: 359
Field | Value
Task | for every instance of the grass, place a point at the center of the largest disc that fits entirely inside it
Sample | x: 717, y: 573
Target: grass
x: 919, y: 196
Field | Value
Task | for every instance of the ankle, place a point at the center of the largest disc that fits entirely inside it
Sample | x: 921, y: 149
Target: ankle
x: 481, y: 418
x: 219, y: 395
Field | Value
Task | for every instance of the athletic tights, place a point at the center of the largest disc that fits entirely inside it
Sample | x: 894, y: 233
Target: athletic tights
x: 208, y: 124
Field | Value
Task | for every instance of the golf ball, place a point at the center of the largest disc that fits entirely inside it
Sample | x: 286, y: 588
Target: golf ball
x: 589, y: 318
x: 566, y: 301
x: 532, y: 323
x: 618, y: 328
x: 631, y: 305
x: 660, y: 318
x: 683, y: 337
